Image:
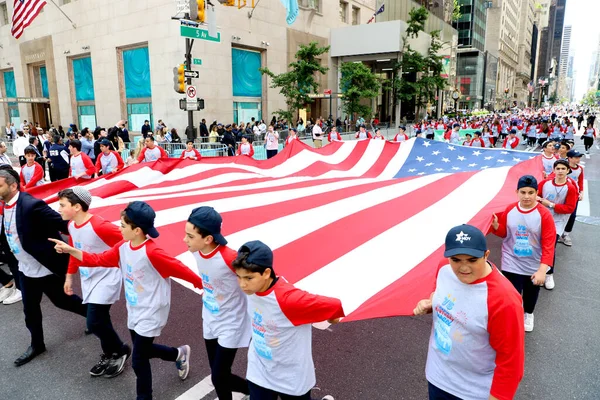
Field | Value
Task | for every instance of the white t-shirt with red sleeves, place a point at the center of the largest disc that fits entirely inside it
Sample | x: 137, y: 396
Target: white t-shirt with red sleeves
x: 565, y: 199
x: 548, y: 163
x: 35, y: 172
x: 82, y: 163
x: 529, y: 237
x: 192, y: 154
x: 245, y: 149
x: 110, y: 162
x: 400, y: 137
x: 96, y: 235
x: 150, y: 155
x: 577, y: 176
x: 280, y: 354
x: 477, y: 343
x: 224, y: 312
x: 145, y: 270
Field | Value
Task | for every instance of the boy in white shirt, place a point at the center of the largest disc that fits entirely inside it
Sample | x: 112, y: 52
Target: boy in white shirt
x: 31, y: 174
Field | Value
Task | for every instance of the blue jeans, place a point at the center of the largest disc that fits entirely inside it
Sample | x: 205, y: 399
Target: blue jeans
x: 143, y: 350
x: 99, y: 323
x: 435, y: 393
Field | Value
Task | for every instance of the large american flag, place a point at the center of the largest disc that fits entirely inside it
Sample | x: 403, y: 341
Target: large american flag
x: 363, y: 221
x: 24, y: 13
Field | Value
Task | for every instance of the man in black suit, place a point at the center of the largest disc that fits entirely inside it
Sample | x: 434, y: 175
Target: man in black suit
x: 28, y: 223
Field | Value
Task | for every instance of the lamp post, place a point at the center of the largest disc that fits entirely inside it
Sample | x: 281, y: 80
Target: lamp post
x: 506, y: 99
x: 455, y: 97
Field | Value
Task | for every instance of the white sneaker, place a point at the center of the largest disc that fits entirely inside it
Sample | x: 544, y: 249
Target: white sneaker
x: 13, y: 298
x: 566, y: 240
x: 549, y: 283
x: 183, y: 362
x: 528, y: 322
x: 5, y: 292
x: 328, y: 397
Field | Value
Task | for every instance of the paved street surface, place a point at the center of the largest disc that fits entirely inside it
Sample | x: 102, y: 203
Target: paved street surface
x: 376, y: 359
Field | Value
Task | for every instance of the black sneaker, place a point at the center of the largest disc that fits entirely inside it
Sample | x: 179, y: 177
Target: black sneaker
x: 100, y: 368
x: 116, y: 364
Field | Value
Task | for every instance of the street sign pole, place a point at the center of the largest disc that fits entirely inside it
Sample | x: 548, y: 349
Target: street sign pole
x: 189, y: 43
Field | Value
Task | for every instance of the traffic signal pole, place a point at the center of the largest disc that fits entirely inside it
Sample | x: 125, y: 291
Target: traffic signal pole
x: 189, y: 43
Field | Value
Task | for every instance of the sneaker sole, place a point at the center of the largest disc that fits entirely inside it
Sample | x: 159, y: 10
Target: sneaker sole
x: 528, y: 330
x: 187, y: 371
x: 7, y: 303
x: 96, y: 375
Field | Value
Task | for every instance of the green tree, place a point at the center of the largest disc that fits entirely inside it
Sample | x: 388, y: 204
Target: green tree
x: 300, y: 80
x: 590, y: 98
x: 426, y: 68
x: 456, y: 14
x: 358, y: 83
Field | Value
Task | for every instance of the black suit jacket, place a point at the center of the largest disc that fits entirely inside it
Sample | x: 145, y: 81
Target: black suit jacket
x: 36, y: 222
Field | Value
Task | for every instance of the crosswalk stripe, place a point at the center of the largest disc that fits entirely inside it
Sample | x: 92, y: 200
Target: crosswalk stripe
x: 583, y: 209
x: 198, y: 391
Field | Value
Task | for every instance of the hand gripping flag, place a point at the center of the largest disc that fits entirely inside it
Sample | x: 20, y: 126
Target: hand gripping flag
x: 24, y: 12
x: 363, y: 221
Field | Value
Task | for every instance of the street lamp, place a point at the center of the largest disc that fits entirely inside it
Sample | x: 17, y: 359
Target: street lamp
x: 506, y: 99
x: 455, y: 97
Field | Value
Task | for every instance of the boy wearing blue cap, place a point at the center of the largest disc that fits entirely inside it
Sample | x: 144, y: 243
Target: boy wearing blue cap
x: 226, y: 324
x: 477, y: 344
x: 528, y: 247
x: 280, y: 358
x: 145, y: 269
x: 109, y: 161
x: 100, y: 287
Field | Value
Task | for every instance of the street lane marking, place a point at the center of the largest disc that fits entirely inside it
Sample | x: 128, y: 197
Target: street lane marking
x: 198, y: 391
x: 583, y: 209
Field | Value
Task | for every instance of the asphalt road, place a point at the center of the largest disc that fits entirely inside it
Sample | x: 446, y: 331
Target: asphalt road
x: 376, y: 359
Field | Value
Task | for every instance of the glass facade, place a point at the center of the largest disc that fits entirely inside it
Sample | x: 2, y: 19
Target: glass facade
x: 10, y: 90
x: 470, y: 78
x: 247, y: 85
x: 471, y: 24
x: 138, y: 92
x: 84, y: 92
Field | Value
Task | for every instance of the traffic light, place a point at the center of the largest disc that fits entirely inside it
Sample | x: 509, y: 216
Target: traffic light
x: 229, y: 3
x: 197, y: 10
x: 179, y: 78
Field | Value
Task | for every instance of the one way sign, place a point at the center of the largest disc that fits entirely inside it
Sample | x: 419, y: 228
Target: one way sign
x: 191, y: 74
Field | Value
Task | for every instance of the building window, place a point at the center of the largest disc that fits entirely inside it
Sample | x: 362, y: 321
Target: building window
x: 83, y: 80
x: 10, y: 90
x: 343, y: 11
x: 3, y: 14
x: 244, y: 111
x: 355, y: 16
x: 138, y: 93
x: 247, y: 84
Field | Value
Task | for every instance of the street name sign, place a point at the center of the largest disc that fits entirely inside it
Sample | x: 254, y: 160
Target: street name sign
x: 197, y: 33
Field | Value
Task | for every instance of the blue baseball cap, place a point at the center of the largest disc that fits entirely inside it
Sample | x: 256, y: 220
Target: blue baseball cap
x: 142, y: 215
x: 105, y: 142
x: 208, y: 219
x: 527, y: 181
x: 465, y: 239
x: 258, y: 253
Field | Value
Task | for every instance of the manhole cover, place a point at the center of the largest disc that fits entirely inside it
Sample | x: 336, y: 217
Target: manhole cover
x: 589, y: 220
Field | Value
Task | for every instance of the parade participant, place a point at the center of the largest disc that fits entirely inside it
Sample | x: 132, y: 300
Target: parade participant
x: 334, y: 135
x: 512, y: 141
x: 477, y: 140
x: 145, y: 269
x: 100, y: 287
x: 245, y: 148
x: 27, y: 224
x: 226, y: 324
x: 151, y: 152
x: 531, y: 135
x: 82, y: 166
x: 272, y: 140
x: 362, y: 133
x: 32, y: 174
x: 401, y: 136
x: 476, y: 348
x: 59, y: 160
x: 468, y: 140
x: 190, y: 152
x: 548, y: 157
x: 293, y: 136
x: 378, y: 135
x: 455, y: 135
x: 570, y: 133
x: 487, y: 136
x: 279, y: 358
x: 109, y: 161
x: 559, y: 194
x: 588, y: 137
x: 576, y: 174
x: 317, y: 134
x: 528, y: 246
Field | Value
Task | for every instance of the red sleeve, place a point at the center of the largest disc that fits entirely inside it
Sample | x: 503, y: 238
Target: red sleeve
x: 23, y: 184
x: 251, y: 154
x: 110, y: 258
x: 168, y: 266
x: 329, y: 137
x: 507, y: 338
x: 570, y: 201
x: 369, y: 135
x: 99, y: 164
x: 90, y: 168
x: 38, y: 174
x: 229, y: 255
x: 302, y: 308
x: 107, y: 231
x: 238, y: 151
x: 120, y: 163
x: 580, y: 180
x: 515, y: 143
x: 163, y: 153
x: 504, y: 144
x: 182, y: 154
x: 548, y: 239
x: 502, y: 217
x: 198, y: 155
x: 142, y: 155
x: 73, y: 262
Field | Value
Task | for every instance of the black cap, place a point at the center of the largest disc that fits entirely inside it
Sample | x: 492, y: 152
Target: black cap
x: 562, y: 161
x: 455, y: 125
x: 105, y: 142
x: 527, y: 181
x: 513, y: 131
x: 402, y: 127
x: 465, y: 239
x: 142, y: 215
x: 208, y: 219
x: 573, y: 153
x: 259, y: 253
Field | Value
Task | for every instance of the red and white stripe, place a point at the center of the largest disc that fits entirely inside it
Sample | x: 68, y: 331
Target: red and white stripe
x: 338, y: 222
x: 24, y: 12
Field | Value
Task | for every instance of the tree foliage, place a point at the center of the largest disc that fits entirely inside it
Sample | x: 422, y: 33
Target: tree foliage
x: 300, y: 80
x: 456, y: 14
x: 590, y: 98
x: 426, y: 68
x: 358, y: 83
